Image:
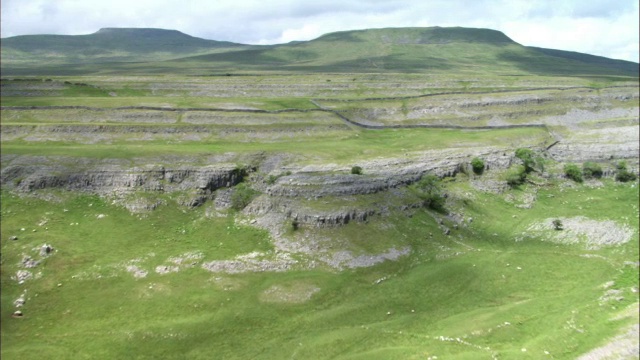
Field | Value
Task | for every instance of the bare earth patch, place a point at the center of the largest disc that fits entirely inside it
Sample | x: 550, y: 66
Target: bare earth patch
x: 252, y: 262
x: 624, y: 346
x: 594, y: 234
x: 295, y: 293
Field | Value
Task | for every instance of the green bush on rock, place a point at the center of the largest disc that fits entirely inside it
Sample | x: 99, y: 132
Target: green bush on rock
x: 429, y: 191
x: 591, y: 170
x: 573, y: 172
x: 516, y: 176
x: 242, y: 196
x: 477, y: 165
x: 622, y: 174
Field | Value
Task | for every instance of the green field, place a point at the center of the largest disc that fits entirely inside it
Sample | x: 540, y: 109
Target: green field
x: 494, y: 294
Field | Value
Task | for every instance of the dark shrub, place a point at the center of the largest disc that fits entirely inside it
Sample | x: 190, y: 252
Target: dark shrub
x: 429, y: 191
x: 622, y: 174
x: 526, y: 156
x: 625, y: 176
x: 573, y: 172
x: 591, y: 170
x: 516, y: 176
x: 357, y: 170
x: 557, y: 224
x: 477, y: 165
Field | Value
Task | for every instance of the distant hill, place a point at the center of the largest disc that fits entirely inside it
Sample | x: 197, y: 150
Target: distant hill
x: 107, y: 45
x: 622, y: 65
x: 405, y: 50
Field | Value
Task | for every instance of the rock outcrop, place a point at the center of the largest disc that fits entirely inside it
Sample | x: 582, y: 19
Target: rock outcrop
x: 110, y: 179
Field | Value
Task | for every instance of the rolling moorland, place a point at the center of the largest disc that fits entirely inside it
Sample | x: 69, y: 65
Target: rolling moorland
x: 410, y: 193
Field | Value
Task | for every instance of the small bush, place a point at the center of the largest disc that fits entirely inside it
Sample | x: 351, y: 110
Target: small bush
x: 272, y: 179
x: 622, y: 174
x: 621, y: 165
x: 526, y: 156
x: 591, y: 170
x: 242, y: 196
x: 516, y: 176
x: 429, y: 191
x: 477, y: 165
x: 295, y: 225
x: 557, y: 224
x: 625, y: 176
x: 356, y: 170
x: 573, y: 172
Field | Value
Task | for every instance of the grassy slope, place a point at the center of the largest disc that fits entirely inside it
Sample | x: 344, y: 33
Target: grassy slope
x: 403, y: 50
x: 106, y: 45
x: 468, y: 291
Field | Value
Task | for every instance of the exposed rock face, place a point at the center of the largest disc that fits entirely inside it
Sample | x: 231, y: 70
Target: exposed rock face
x: 333, y: 218
x: 195, y: 184
x: 581, y: 152
x: 107, y: 179
x: 383, y: 174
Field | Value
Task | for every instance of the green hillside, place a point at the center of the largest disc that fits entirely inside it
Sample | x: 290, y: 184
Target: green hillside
x: 622, y: 65
x: 108, y: 44
x: 405, y: 50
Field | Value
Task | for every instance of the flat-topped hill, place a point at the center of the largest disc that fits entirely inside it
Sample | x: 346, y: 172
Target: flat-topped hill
x: 405, y: 50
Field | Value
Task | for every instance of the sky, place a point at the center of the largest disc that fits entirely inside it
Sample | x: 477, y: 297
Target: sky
x: 600, y: 27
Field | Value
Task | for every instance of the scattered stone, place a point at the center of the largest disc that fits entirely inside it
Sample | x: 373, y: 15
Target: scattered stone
x: 611, y: 295
x: 184, y: 258
x: 29, y: 262
x: 101, y: 216
x: 17, y: 314
x: 59, y: 284
x: 19, y: 302
x: 46, y: 250
x: 22, y: 275
x: 22, y: 229
x: 13, y: 238
x: 594, y: 234
x: 136, y: 271
x: 164, y: 269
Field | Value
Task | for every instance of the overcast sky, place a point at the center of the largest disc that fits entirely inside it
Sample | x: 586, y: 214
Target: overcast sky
x: 600, y: 27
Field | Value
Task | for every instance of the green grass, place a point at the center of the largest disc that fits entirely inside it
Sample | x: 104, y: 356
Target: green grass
x: 155, y: 101
x: 340, y: 146
x: 465, y: 286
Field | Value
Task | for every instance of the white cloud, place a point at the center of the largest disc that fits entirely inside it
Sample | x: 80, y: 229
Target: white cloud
x: 600, y: 27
